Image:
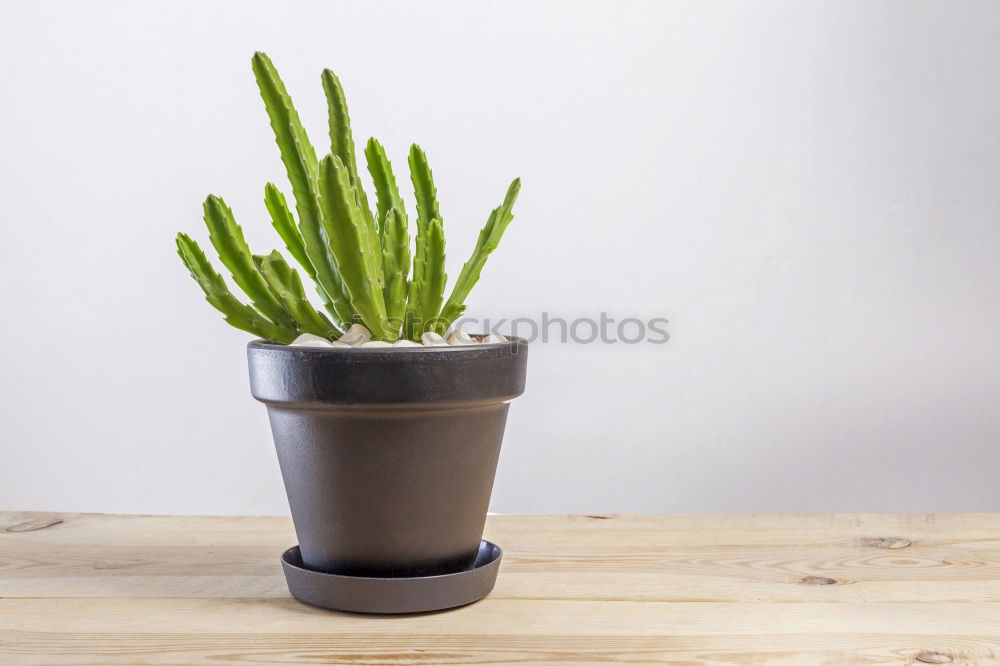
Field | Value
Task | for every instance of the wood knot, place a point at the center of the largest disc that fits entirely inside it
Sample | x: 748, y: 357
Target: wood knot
x: 35, y: 524
x: 886, y: 542
x: 818, y: 580
x: 933, y: 658
x: 597, y: 517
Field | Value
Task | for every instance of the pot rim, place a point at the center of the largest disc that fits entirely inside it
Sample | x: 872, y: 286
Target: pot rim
x: 514, y: 343
x: 315, y: 377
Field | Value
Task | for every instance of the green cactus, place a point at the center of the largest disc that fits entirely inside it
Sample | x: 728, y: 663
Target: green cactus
x: 227, y: 238
x: 386, y: 190
x: 284, y: 282
x: 302, y: 166
x: 237, y: 314
x: 396, y: 264
x: 341, y: 139
x: 434, y: 279
x: 418, y: 306
x: 359, y: 259
x: 284, y: 223
x: 488, y: 240
x: 351, y: 243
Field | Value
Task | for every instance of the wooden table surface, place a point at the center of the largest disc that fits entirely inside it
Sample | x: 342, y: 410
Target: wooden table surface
x: 754, y: 589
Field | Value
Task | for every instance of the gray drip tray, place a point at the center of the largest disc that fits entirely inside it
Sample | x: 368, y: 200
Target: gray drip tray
x: 360, y: 594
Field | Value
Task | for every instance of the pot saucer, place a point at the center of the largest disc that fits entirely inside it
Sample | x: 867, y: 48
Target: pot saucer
x: 360, y: 594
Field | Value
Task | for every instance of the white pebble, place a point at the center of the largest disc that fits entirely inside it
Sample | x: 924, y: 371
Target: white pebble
x: 406, y: 343
x: 432, y: 339
x: 459, y: 338
x: 375, y: 343
x: 310, y: 340
x: 338, y: 343
x: 493, y: 339
x: 356, y: 335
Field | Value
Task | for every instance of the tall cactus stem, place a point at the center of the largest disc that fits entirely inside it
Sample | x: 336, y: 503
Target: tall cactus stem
x: 352, y: 246
x: 301, y: 164
x: 487, y: 242
x: 396, y: 264
x: 342, y: 139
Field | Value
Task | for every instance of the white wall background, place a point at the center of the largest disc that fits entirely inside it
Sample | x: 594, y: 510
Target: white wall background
x: 807, y: 190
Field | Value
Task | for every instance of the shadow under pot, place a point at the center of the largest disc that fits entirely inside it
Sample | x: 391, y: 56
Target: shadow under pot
x: 388, y: 455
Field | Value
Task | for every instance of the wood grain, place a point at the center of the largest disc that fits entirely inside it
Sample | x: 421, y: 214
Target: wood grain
x: 757, y: 589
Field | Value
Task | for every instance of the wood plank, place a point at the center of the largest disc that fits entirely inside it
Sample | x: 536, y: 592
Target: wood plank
x: 503, y: 616
x: 209, y: 648
x: 98, y: 589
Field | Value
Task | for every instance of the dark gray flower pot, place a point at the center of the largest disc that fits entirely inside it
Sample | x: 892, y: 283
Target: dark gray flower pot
x: 388, y: 455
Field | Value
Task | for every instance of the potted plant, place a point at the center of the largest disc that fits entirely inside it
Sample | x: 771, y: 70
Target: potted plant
x: 387, y: 426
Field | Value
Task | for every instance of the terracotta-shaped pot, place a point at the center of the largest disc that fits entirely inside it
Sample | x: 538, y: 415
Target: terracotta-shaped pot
x: 388, y: 455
